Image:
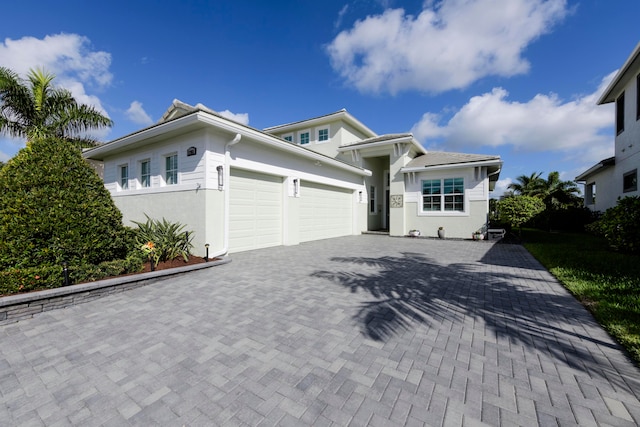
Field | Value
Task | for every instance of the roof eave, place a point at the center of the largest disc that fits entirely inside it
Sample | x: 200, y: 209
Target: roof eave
x: 595, y: 168
x: 311, y: 122
x: 613, y: 88
x: 496, y: 162
x: 405, y: 139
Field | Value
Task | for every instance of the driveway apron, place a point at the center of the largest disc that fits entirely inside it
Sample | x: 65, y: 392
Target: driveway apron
x: 361, y: 330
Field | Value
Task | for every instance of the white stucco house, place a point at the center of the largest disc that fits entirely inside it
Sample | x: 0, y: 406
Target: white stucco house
x: 240, y: 188
x: 617, y: 176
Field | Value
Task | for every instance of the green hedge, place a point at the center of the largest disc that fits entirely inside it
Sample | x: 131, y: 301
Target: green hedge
x: 20, y: 280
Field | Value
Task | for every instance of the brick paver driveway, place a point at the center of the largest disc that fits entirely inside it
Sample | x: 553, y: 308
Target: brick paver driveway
x: 364, y: 330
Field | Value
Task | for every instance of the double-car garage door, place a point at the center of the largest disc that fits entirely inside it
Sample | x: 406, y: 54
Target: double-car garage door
x: 257, y: 215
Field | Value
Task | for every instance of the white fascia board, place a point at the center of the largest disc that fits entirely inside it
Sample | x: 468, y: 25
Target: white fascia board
x: 221, y: 123
x: 404, y: 140
x: 453, y: 166
x: 606, y: 96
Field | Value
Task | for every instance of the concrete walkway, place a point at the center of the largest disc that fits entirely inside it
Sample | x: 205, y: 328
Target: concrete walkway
x: 364, y: 330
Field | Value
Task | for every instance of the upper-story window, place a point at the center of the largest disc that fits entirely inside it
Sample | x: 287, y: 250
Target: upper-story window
x: 171, y: 169
x: 630, y: 181
x: 288, y: 137
x: 323, y: 135
x: 620, y: 114
x: 304, y: 137
x: 124, y: 177
x: 443, y: 195
x: 145, y: 173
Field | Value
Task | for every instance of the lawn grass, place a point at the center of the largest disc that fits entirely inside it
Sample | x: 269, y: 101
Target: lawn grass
x: 606, y: 282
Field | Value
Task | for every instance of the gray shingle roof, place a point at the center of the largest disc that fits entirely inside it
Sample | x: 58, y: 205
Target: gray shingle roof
x: 381, y: 138
x: 437, y: 158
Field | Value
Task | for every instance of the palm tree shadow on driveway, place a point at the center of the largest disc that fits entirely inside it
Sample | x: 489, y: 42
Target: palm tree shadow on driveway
x: 514, y: 305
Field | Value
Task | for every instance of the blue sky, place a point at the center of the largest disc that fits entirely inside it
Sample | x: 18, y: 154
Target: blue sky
x: 516, y: 78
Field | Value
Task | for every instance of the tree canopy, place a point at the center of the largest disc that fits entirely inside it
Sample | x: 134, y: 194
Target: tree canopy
x: 555, y: 193
x: 34, y: 108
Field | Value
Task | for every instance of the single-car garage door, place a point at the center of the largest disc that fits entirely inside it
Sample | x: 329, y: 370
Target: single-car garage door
x: 255, y: 211
x: 325, y: 211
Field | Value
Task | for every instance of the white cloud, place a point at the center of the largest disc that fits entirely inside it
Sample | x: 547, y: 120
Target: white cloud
x: 137, y: 115
x: 502, y: 185
x: 338, y: 23
x: 242, y: 118
x: 68, y: 56
x: 544, y: 123
x: 449, y: 45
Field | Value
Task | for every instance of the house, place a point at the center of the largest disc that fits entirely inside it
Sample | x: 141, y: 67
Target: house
x: 240, y: 188
x: 617, y: 176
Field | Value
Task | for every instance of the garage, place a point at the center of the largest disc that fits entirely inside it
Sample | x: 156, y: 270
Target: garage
x: 255, y: 207
x: 325, y: 211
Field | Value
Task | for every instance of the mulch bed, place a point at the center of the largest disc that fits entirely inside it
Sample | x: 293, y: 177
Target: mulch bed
x: 177, y: 262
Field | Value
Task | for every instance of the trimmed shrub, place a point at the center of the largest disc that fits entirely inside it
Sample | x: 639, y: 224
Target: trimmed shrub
x: 19, y: 280
x: 54, y: 208
x: 518, y: 210
x: 620, y: 225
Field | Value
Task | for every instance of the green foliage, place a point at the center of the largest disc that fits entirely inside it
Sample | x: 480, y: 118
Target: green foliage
x: 620, y: 225
x: 163, y: 240
x: 54, y: 208
x: 19, y: 280
x: 517, y: 210
x: 606, y: 282
x: 35, y: 109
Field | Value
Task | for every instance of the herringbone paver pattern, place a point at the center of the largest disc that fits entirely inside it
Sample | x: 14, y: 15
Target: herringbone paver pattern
x: 364, y: 330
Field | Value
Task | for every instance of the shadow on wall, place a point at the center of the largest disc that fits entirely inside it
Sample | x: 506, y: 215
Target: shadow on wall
x: 412, y: 289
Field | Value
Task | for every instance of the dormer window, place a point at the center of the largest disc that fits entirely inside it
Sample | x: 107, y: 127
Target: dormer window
x: 323, y: 135
x: 304, y: 138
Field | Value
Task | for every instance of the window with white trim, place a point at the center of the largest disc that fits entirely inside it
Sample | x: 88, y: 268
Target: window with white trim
x: 304, y: 138
x: 323, y: 135
x: 372, y: 199
x: 288, y: 137
x: 145, y: 173
x: 124, y: 177
x: 443, y: 195
x: 171, y: 169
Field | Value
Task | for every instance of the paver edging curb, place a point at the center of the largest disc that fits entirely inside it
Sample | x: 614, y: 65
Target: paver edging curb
x: 22, y: 306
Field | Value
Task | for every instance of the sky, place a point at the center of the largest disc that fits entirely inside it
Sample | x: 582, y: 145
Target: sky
x: 514, y: 78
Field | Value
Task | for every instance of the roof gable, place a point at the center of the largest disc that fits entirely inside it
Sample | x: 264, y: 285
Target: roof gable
x: 628, y: 71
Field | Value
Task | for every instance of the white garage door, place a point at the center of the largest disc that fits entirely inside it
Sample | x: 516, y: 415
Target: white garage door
x: 324, y: 211
x: 255, y: 211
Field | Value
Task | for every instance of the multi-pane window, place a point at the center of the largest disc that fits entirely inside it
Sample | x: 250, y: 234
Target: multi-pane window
x: 288, y: 138
x: 171, y: 169
x: 124, y: 177
x: 630, y: 181
x: 443, y: 195
x: 145, y: 173
x: 620, y: 114
x: 431, y: 195
x: 304, y: 138
x: 323, y: 135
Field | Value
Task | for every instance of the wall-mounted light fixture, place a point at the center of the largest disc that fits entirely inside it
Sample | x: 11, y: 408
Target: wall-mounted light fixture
x: 191, y: 151
x: 359, y: 196
x: 220, y: 170
x: 296, y: 187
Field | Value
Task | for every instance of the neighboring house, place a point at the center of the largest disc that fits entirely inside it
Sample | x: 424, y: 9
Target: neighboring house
x: 239, y: 188
x: 617, y: 177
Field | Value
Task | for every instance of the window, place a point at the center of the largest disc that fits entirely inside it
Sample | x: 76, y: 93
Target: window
x: 288, y: 138
x: 630, y: 181
x: 590, y: 194
x: 443, y: 195
x: 304, y: 138
x: 124, y: 177
x: 323, y: 135
x: 145, y: 173
x: 372, y: 199
x: 171, y: 169
x: 620, y: 114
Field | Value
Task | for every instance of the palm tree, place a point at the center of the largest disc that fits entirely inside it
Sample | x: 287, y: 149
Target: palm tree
x: 36, y: 109
x: 531, y: 185
x: 560, y: 194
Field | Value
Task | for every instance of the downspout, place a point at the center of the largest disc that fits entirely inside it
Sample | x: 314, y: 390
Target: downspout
x: 227, y: 195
